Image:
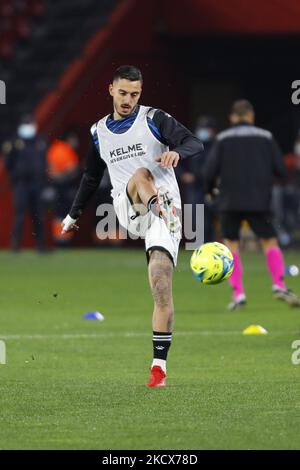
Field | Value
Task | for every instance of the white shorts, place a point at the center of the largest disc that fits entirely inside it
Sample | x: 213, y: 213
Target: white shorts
x: 150, y: 227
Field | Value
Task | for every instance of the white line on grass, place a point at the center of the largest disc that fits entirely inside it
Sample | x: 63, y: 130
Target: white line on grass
x: 127, y: 335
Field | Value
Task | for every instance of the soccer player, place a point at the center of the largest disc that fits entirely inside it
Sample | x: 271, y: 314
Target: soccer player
x: 141, y: 146
x: 245, y: 158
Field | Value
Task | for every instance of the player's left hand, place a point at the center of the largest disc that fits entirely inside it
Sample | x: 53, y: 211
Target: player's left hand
x: 168, y: 159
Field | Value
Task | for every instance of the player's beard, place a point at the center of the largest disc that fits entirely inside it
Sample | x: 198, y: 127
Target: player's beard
x: 123, y: 115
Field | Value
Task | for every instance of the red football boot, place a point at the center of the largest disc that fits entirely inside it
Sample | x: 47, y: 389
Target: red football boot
x: 157, y: 377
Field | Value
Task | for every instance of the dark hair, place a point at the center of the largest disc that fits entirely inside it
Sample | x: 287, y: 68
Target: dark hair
x: 129, y: 72
x: 242, y: 107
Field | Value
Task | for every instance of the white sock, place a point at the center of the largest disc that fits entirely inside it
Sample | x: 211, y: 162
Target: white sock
x: 275, y: 287
x: 240, y: 298
x: 161, y: 363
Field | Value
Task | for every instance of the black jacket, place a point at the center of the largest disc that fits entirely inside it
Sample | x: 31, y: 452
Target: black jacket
x: 25, y: 160
x: 243, y: 161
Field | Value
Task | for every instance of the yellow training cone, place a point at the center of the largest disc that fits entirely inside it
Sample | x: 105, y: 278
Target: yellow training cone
x: 255, y: 330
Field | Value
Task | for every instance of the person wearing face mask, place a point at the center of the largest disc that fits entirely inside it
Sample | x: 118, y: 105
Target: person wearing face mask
x: 192, y: 175
x: 26, y: 165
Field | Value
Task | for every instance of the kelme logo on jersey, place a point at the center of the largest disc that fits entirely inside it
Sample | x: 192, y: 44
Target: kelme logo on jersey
x: 131, y: 151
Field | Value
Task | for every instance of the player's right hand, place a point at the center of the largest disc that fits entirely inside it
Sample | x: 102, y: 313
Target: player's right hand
x: 168, y: 159
x: 68, y: 224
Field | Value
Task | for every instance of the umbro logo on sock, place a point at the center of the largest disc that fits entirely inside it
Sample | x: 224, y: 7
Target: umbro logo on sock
x: 160, y: 348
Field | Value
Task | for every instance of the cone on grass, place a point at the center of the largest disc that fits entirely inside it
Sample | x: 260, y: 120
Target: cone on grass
x: 255, y: 330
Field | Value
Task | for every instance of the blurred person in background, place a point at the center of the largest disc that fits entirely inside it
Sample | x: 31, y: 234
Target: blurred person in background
x: 63, y: 171
x: 245, y: 158
x: 25, y: 161
x: 278, y: 210
x: 286, y: 198
x: 191, y: 175
x: 292, y: 189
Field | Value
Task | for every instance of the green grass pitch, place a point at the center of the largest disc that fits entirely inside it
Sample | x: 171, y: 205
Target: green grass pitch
x: 74, y: 384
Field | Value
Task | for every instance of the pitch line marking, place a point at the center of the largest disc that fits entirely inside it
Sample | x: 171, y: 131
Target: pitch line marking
x: 125, y: 335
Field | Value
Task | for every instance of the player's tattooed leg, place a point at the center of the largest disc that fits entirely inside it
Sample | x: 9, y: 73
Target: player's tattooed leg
x: 160, y: 278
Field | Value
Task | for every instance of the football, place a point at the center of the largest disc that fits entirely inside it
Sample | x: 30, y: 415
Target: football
x: 212, y: 263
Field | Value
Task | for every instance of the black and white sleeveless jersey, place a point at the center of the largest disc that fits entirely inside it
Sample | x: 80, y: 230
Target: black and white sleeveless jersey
x: 136, y: 148
x: 128, y: 144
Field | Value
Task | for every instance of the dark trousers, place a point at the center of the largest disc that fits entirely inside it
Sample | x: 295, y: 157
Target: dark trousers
x: 28, y: 196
